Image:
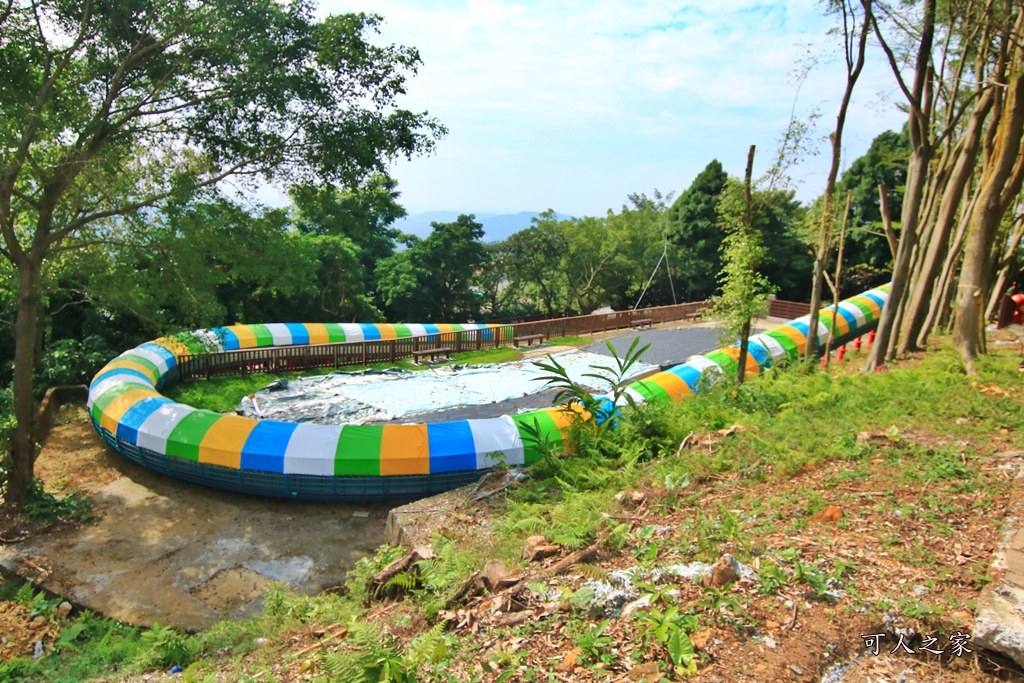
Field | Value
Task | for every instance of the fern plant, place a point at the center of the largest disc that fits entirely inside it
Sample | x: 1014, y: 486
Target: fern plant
x: 602, y: 409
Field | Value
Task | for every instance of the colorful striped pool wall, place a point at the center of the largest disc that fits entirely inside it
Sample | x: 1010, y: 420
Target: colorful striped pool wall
x: 366, y: 462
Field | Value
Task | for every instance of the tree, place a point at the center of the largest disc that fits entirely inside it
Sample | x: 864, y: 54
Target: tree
x: 435, y: 278
x: 744, y: 290
x: 109, y: 108
x: 534, y: 259
x: 999, y: 187
x: 885, y: 163
x: 364, y: 214
x: 854, y: 49
x: 694, y: 229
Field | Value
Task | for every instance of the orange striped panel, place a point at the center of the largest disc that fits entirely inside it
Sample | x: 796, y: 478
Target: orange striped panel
x: 752, y: 367
x: 387, y: 331
x: 444, y: 327
x: 795, y: 335
x: 222, y: 444
x: 246, y: 337
x: 317, y: 333
x: 116, y: 409
x: 869, y: 302
x: 842, y: 324
x: 404, y: 449
x: 563, y: 418
x: 673, y: 385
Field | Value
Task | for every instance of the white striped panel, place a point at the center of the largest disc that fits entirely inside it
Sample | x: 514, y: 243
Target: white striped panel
x: 637, y: 396
x: 416, y: 329
x: 99, y: 388
x: 158, y: 426
x: 152, y: 356
x: 311, y: 449
x: 281, y: 334
x: 496, y: 435
x: 774, y: 348
x: 352, y: 331
x: 708, y: 367
x: 855, y: 311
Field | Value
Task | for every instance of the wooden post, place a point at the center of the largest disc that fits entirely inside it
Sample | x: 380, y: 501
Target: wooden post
x: 392, y: 349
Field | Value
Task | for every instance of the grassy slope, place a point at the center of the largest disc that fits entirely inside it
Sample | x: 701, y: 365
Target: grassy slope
x: 907, y: 460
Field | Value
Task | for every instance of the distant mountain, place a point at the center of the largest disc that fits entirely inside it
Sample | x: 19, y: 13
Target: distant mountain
x: 497, y: 227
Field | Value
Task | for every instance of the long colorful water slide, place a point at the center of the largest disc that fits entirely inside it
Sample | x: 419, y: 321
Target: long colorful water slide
x: 371, y: 462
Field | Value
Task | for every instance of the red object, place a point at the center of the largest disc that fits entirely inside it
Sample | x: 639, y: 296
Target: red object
x: 856, y: 344
x: 871, y: 338
x: 842, y: 352
x: 823, y: 358
x: 1018, y: 310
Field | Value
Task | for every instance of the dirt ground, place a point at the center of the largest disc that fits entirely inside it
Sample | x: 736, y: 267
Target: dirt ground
x: 162, y: 550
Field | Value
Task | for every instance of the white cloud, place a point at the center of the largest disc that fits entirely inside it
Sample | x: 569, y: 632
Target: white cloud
x: 574, y: 104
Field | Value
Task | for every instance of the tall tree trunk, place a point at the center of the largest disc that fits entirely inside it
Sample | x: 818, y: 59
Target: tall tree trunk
x: 1000, y: 184
x: 922, y: 149
x: 854, y: 66
x: 937, y: 246
x: 748, y: 225
x: 23, y: 446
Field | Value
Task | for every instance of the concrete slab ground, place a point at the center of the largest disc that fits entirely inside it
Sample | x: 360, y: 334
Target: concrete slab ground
x: 180, y: 554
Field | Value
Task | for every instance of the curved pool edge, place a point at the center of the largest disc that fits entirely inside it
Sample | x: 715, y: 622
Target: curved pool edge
x: 376, y: 462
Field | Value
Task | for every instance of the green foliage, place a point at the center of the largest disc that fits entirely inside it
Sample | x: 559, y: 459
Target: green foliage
x: 167, y: 646
x: 744, y: 289
x: 73, y: 507
x: 74, y: 361
x: 433, y: 279
x: 603, y: 409
x: 694, y: 228
x: 594, y: 642
x: 373, y: 656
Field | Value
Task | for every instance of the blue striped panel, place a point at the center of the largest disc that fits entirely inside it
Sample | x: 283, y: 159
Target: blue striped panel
x: 128, y: 425
x: 875, y: 296
x: 120, y: 371
x: 264, y: 449
x: 300, y: 335
x: 451, y: 446
x: 162, y: 352
x: 430, y: 328
x: 370, y: 331
x: 688, y: 374
x: 764, y: 359
x: 229, y: 338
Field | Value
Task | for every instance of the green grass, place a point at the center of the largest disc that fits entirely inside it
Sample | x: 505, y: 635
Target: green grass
x: 794, y: 419
x: 570, y: 341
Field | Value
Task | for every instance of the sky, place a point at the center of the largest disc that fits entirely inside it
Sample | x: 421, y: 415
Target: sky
x: 575, y: 104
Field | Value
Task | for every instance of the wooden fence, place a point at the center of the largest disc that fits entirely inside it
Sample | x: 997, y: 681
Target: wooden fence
x: 295, y: 358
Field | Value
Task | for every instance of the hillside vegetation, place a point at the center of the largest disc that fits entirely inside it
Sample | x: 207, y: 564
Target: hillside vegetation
x: 855, y: 503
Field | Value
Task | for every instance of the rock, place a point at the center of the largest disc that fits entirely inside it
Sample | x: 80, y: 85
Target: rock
x: 64, y: 609
x: 40, y: 622
x: 723, y: 573
x: 998, y: 624
x: 496, y: 576
x: 642, y: 602
x: 769, y: 642
x: 630, y: 499
x: 829, y: 515
x: 644, y: 672
x: 537, y: 548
